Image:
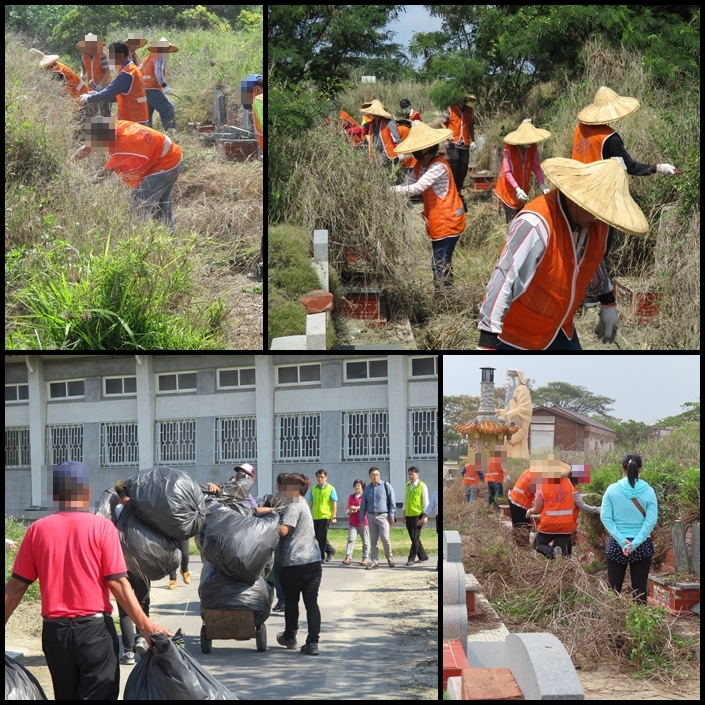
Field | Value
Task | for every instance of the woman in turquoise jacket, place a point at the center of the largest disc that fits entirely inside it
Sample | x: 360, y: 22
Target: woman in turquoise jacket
x: 629, y: 512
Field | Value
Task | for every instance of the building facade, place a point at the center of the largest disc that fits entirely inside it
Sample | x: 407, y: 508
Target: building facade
x: 207, y: 413
x: 557, y: 427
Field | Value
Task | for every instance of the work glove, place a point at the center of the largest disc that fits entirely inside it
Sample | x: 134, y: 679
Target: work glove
x: 665, y: 169
x: 607, y: 325
x: 545, y: 189
x: 167, y: 90
x: 83, y: 99
x: 521, y: 195
x: 473, y: 146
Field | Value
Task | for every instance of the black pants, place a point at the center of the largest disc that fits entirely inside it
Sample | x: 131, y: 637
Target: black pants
x: 458, y: 160
x: 520, y: 524
x: 320, y: 528
x: 142, y: 590
x: 82, y: 655
x: 183, y: 547
x: 639, y: 575
x: 297, y: 580
x: 542, y: 543
x: 417, y: 549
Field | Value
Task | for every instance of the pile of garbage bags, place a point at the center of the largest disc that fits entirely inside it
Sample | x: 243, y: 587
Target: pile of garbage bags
x: 20, y: 684
x: 168, y: 672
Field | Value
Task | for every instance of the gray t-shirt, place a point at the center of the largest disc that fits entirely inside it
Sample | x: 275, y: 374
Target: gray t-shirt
x: 299, y: 546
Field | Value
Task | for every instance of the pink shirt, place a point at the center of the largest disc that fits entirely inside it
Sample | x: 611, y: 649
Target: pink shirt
x: 72, y: 554
x: 354, y: 518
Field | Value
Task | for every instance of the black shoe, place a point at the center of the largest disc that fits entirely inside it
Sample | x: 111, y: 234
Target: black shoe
x: 310, y: 649
x: 421, y: 560
x: 289, y: 643
x: 279, y: 607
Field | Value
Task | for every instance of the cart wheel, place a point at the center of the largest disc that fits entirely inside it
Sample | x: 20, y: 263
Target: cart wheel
x: 205, y: 643
x: 261, y: 638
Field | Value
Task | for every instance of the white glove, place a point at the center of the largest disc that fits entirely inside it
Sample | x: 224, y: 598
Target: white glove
x: 84, y: 98
x: 665, y: 169
x: 545, y: 189
x: 522, y: 196
x: 473, y: 146
x: 167, y: 90
x: 608, y: 323
x: 479, y: 348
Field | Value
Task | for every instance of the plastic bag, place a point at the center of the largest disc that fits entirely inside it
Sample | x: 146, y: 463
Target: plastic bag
x: 20, y: 684
x: 237, y: 545
x: 219, y: 592
x: 107, y: 503
x: 168, y: 672
x: 168, y: 500
x: 148, y: 553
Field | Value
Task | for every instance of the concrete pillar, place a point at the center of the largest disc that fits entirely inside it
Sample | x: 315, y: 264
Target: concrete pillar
x: 316, y: 331
x: 37, y: 425
x: 451, y: 546
x: 146, y: 408
x: 264, y: 410
x: 320, y: 256
x: 398, y: 386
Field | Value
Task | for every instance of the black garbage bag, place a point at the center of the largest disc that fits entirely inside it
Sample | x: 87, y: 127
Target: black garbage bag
x: 148, y: 553
x: 168, y: 672
x: 20, y: 684
x: 238, y: 545
x: 106, y: 503
x: 168, y: 500
x: 219, y: 592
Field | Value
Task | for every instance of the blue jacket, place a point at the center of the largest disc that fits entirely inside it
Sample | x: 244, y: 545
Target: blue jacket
x: 621, y: 517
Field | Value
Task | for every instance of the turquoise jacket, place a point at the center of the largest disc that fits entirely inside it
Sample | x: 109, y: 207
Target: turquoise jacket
x: 622, y: 518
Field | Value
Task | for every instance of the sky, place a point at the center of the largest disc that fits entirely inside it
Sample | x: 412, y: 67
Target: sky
x: 415, y: 18
x: 644, y: 388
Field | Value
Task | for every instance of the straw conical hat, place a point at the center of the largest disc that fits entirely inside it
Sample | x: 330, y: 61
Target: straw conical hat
x: 549, y: 466
x: 134, y: 39
x: 607, y: 107
x: 374, y: 108
x: 601, y: 188
x: 46, y: 59
x: 527, y: 134
x: 420, y: 137
x: 163, y: 45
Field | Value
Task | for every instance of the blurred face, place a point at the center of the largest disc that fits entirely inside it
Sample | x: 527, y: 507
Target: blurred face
x: 101, y: 134
x: 91, y: 48
x: 116, y: 61
x: 583, y: 218
x: 290, y: 494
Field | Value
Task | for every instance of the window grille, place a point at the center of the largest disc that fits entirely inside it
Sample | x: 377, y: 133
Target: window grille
x: 235, y: 439
x: 297, y: 437
x: 119, y: 445
x: 366, y: 435
x: 64, y: 443
x: 176, y: 442
x: 17, y: 448
x: 423, y: 433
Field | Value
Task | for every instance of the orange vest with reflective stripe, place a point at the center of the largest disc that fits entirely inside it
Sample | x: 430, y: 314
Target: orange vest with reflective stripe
x: 558, y: 505
x: 521, y: 493
x: 93, y: 69
x: 460, y: 123
x: 558, y: 286
x: 471, y: 478
x: 408, y: 161
x: 132, y: 106
x: 345, y: 122
x: 588, y: 141
x: 74, y: 84
x: 521, y: 171
x: 495, y: 473
x: 385, y: 136
x: 445, y: 215
x: 148, y: 74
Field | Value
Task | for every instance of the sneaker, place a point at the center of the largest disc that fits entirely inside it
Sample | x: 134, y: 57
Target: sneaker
x: 557, y: 552
x: 186, y: 576
x: 410, y: 562
x: 391, y: 562
x: 128, y: 659
x: 141, y: 646
x: 172, y: 585
x: 372, y: 566
x: 279, y: 607
x: 289, y: 643
x: 310, y: 649
x: 364, y: 561
x: 347, y: 561
x: 421, y: 560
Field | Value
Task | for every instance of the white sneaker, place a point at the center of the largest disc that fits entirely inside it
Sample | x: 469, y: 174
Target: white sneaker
x: 558, y: 552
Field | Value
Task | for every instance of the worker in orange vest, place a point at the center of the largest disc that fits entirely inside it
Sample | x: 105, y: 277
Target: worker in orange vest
x: 459, y: 119
x: 127, y: 88
x: 382, y: 132
x: 147, y: 160
x: 74, y: 85
x: 153, y: 70
x: 471, y: 478
x: 521, y: 499
x: 95, y: 68
x: 443, y: 211
x: 495, y: 475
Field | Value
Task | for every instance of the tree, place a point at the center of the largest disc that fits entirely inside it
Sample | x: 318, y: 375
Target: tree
x: 571, y: 397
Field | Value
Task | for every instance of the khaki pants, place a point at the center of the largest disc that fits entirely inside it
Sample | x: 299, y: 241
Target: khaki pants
x: 379, y: 526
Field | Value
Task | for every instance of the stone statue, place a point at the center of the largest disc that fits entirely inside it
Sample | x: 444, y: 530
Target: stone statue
x: 517, y: 411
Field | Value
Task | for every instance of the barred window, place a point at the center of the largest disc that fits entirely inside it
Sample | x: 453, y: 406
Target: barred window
x: 365, y: 435
x: 235, y: 439
x: 119, y: 445
x: 17, y: 448
x: 64, y: 443
x: 176, y: 442
x: 423, y: 433
x: 297, y: 437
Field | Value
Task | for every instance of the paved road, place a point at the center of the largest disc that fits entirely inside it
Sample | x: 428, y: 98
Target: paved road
x: 357, y: 643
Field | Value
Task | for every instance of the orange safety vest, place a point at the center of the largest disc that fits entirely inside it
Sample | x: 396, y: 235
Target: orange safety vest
x: 148, y: 73
x: 521, y: 493
x: 588, y: 141
x: 471, y: 478
x: 132, y: 106
x: 461, y: 123
x: 559, y: 284
x: 74, y: 84
x: 558, y: 505
x: 345, y: 122
x: 415, y: 116
x: 444, y: 215
x: 93, y: 69
x: 521, y: 171
x: 495, y: 472
x: 408, y: 160
x: 385, y: 135
x: 161, y: 154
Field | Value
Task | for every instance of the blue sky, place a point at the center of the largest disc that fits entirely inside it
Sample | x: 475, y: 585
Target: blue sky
x: 644, y: 388
x: 414, y: 19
